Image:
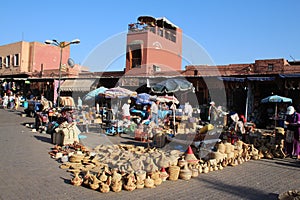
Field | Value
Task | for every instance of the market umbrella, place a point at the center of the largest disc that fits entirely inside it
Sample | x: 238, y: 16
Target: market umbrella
x: 171, y: 86
x: 119, y: 92
x: 276, y: 99
x: 94, y: 93
x: 145, y: 98
x: 167, y: 99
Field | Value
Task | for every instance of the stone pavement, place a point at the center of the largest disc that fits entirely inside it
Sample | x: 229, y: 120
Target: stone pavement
x: 28, y: 172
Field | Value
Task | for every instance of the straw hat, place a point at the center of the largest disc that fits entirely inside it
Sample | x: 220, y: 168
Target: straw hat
x: 212, y: 103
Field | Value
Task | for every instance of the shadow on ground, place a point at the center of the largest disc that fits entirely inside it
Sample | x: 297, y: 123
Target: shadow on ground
x: 43, y: 138
x: 239, y: 191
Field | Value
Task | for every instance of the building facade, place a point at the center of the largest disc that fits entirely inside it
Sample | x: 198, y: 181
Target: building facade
x: 153, y: 45
x: 30, y: 59
x: 33, y: 67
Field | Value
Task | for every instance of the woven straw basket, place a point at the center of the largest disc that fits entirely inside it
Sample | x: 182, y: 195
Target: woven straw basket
x: 174, y: 173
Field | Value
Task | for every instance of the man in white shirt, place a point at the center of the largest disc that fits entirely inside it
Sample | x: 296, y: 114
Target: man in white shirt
x: 126, y: 110
x: 188, y: 110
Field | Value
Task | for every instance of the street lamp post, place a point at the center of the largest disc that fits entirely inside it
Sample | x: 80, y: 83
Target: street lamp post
x: 61, y: 45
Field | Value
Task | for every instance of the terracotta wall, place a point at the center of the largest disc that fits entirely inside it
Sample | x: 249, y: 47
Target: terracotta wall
x: 156, y: 50
x: 32, y: 55
x: 47, y: 56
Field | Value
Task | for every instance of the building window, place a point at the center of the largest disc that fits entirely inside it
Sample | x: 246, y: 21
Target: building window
x: 135, y: 56
x: 161, y: 32
x: 7, y: 61
x: 270, y: 67
x: 167, y: 35
x: 1, y: 62
x: 173, y: 37
x: 17, y: 60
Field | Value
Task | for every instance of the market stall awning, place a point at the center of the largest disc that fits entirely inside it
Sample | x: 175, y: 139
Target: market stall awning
x: 289, y: 75
x: 231, y: 79
x: 77, y: 85
x: 261, y: 78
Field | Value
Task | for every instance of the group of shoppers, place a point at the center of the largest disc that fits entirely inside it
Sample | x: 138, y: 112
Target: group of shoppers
x: 10, y: 101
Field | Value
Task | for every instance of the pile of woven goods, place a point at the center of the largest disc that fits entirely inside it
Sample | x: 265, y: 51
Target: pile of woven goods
x: 128, y: 167
x: 269, y: 144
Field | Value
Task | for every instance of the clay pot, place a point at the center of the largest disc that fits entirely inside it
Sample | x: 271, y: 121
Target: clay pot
x: 195, y: 173
x: 182, y: 162
x: 185, y: 173
x: 141, y: 175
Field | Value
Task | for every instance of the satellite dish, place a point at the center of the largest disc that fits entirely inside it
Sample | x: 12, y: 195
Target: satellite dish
x: 71, y: 62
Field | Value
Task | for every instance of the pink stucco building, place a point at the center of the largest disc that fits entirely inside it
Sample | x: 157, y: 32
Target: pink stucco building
x: 34, y: 59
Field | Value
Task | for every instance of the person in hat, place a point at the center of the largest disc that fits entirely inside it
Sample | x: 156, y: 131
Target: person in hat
x: 293, y: 131
x: 126, y: 110
x: 213, y: 113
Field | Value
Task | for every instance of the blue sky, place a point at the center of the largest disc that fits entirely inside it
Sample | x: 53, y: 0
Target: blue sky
x: 229, y: 31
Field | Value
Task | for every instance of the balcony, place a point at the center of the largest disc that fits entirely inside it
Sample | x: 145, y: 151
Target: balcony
x: 142, y: 27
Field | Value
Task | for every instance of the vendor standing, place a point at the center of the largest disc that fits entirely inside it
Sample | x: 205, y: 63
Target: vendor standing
x: 154, y: 112
x: 293, y: 131
x: 213, y: 113
x: 126, y: 110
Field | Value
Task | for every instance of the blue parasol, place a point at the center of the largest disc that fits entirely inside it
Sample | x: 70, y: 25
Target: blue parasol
x: 276, y: 99
x: 144, y: 98
x: 94, y: 93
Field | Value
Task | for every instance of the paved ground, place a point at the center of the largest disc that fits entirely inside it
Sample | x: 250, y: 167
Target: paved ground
x: 27, y: 172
